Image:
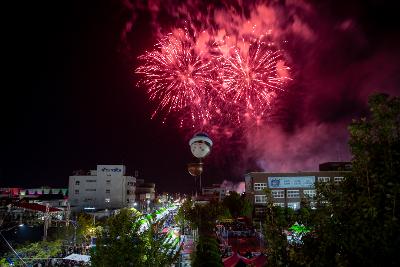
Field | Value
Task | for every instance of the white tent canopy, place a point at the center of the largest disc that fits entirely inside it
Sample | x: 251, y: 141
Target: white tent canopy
x: 78, y: 257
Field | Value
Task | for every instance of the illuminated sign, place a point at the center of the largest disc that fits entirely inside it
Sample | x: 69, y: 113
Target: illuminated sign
x: 291, y: 182
x: 111, y: 170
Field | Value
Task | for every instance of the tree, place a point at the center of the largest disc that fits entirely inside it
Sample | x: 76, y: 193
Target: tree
x: 359, y: 223
x: 38, y: 251
x: 129, y: 239
x: 207, y: 253
x: 238, y: 205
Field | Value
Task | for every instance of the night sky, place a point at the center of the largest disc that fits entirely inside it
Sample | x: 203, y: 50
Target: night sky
x: 70, y: 100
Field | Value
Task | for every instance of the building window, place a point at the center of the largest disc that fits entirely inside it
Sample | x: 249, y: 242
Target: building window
x: 88, y: 199
x: 90, y: 189
x: 76, y: 192
x: 278, y: 193
x: 259, y: 186
x: 107, y: 200
x: 77, y: 182
x: 293, y: 194
x: 279, y: 204
x: 108, y: 182
x: 90, y: 181
x: 309, y: 193
x: 260, y: 199
x: 323, y: 179
x: 107, y: 191
x: 294, y: 205
x: 338, y: 179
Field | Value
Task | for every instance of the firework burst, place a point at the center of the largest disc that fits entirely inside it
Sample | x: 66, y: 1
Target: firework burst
x: 252, y: 77
x: 179, y: 79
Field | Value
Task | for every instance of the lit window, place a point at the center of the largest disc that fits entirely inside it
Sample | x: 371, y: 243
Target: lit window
x: 279, y: 204
x: 293, y: 194
x: 309, y: 193
x: 259, y: 186
x: 107, y: 191
x: 323, y: 179
x: 77, y: 182
x: 107, y: 200
x: 260, y: 199
x: 338, y: 179
x: 278, y: 193
x: 294, y: 205
x: 76, y: 192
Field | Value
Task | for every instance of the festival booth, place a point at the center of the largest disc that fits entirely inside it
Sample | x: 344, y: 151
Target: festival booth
x: 78, y: 258
x: 238, y: 260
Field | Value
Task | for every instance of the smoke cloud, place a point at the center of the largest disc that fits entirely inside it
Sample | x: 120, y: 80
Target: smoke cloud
x: 336, y: 63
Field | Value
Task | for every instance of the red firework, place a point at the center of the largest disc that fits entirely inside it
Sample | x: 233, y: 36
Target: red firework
x: 178, y: 79
x: 252, y: 77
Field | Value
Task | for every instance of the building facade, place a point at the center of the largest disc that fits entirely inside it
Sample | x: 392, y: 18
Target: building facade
x: 216, y: 191
x: 107, y: 187
x: 287, y: 189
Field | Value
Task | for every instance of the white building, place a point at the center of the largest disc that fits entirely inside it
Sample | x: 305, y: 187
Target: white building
x: 105, y: 188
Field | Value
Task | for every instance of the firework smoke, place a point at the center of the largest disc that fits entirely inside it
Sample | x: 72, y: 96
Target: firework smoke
x: 334, y: 67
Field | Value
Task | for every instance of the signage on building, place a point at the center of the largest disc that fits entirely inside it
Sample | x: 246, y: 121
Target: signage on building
x: 291, y: 182
x: 113, y: 170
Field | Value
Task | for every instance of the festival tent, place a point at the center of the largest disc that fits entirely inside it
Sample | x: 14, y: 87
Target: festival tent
x: 234, y: 260
x: 238, y: 260
x: 78, y: 257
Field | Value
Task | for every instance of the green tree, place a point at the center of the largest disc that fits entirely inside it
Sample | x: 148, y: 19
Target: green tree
x: 207, y: 252
x: 38, y: 251
x: 358, y: 222
x: 129, y: 239
x: 238, y: 205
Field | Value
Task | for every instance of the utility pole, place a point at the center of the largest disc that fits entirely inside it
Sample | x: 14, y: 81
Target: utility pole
x: 46, y: 221
x: 68, y: 214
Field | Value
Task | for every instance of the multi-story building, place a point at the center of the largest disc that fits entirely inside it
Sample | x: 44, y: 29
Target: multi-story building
x: 107, y: 187
x: 216, y: 191
x: 287, y: 189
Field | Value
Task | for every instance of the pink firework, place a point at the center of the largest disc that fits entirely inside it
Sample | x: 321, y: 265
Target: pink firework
x: 252, y: 77
x: 178, y: 79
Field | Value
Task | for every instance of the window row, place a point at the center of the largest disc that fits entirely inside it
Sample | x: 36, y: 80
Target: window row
x: 108, y: 182
x: 327, y: 179
x: 259, y: 186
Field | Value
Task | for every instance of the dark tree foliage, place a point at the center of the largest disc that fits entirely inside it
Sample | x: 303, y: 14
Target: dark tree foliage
x: 207, y: 253
x: 122, y: 243
x: 204, y: 217
x: 357, y: 221
x: 238, y: 205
